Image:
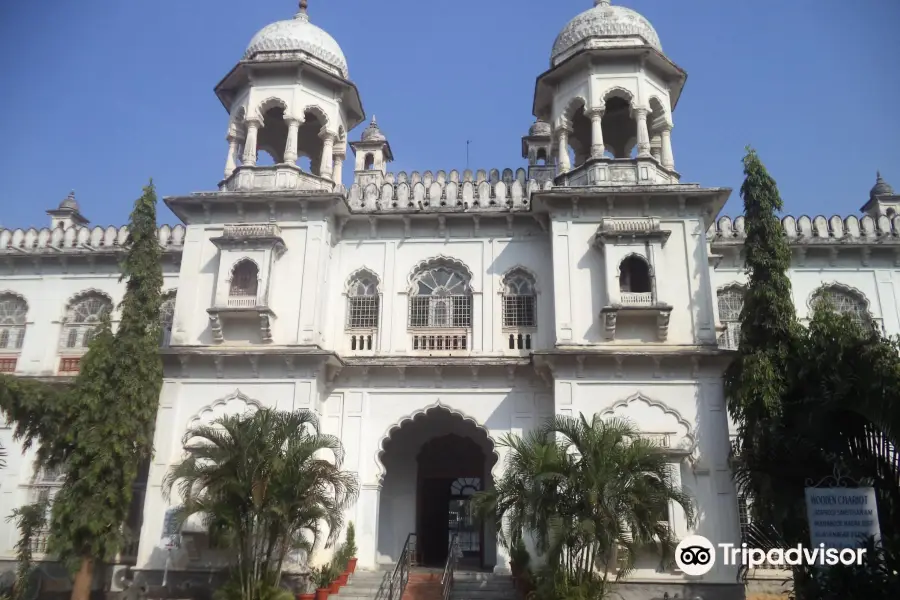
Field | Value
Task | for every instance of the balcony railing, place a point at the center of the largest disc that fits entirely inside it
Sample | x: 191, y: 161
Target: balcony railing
x: 636, y: 298
x: 241, y: 301
x: 362, y: 341
x: 259, y: 230
x: 519, y: 340
x: 455, y: 341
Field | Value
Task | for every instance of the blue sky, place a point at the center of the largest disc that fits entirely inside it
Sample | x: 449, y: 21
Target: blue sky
x: 100, y: 95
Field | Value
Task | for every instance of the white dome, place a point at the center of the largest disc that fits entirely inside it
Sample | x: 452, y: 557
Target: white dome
x: 604, y: 21
x: 298, y: 35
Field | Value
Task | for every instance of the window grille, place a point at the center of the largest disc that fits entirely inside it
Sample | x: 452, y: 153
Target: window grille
x: 82, y: 319
x: 519, y: 300
x: 842, y: 302
x: 441, y: 299
x: 362, y: 303
x: 12, y: 322
x: 731, y: 303
x: 744, y: 517
x: 244, y: 279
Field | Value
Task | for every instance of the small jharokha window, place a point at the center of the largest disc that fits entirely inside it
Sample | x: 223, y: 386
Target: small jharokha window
x: 244, y: 279
x: 362, y: 302
x: 519, y: 300
x: 634, y: 275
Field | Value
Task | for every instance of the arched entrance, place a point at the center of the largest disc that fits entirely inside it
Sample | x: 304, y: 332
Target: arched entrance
x: 433, y: 464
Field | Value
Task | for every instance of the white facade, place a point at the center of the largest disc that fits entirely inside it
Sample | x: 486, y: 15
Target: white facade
x: 423, y: 316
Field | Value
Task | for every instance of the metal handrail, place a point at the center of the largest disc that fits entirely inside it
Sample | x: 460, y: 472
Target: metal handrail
x: 453, y: 554
x: 394, y: 583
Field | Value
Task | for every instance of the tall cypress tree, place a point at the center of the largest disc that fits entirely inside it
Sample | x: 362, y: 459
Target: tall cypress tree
x: 757, y: 380
x: 100, y: 430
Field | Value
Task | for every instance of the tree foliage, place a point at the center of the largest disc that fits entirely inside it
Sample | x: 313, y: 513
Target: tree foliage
x: 100, y: 429
x: 593, y: 496
x: 268, y: 483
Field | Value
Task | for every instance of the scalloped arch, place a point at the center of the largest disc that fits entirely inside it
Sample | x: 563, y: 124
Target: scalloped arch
x: 17, y: 295
x: 516, y: 269
x: 239, y: 262
x: 618, y: 92
x: 578, y: 101
x: 843, y: 288
x: 440, y: 260
x: 269, y: 103
x: 642, y: 258
x: 665, y: 408
x: 318, y: 112
x: 437, y: 406
x: 84, y: 294
x: 207, y: 414
x: 732, y: 285
x: 361, y: 272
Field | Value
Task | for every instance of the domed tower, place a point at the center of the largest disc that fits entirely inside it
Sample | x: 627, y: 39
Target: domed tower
x: 609, y: 97
x: 289, y: 99
x: 373, y: 153
x: 882, y: 199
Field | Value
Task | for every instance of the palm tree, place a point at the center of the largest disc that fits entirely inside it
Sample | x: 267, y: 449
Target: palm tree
x: 592, y: 494
x: 268, y: 483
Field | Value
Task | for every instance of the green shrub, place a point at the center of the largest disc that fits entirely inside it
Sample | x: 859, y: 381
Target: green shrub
x: 350, y: 542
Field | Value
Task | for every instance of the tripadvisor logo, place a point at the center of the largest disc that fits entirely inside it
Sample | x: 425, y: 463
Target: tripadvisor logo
x: 696, y: 555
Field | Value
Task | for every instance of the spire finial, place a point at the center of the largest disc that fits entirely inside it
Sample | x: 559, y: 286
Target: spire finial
x: 301, y: 14
x: 374, y: 122
x: 878, y: 174
x: 304, y: 4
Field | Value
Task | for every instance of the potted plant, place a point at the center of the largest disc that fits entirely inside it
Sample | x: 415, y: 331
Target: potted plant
x: 350, y: 548
x: 309, y: 587
x: 321, y: 578
x: 335, y: 575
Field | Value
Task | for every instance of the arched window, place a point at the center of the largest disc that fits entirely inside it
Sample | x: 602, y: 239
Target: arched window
x: 519, y: 299
x: 634, y: 275
x: 82, y: 318
x: 244, y: 280
x: 362, y: 301
x: 842, y: 301
x: 13, y: 310
x: 731, y: 302
x: 441, y: 297
x: 166, y: 319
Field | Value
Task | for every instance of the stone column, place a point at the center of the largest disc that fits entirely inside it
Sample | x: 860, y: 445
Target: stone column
x: 667, y: 160
x: 231, y: 160
x: 367, y: 530
x: 253, y: 126
x: 338, y: 168
x: 564, y: 163
x: 597, y: 147
x: 327, y: 167
x: 290, y: 147
x: 643, y: 135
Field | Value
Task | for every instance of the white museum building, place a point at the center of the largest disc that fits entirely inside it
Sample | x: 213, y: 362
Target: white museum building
x: 424, y: 315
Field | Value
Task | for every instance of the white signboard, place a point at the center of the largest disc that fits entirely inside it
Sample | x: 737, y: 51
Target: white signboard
x: 841, y: 517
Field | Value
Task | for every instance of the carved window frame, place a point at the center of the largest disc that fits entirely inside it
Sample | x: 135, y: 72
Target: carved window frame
x: 363, y: 292
x: 860, y: 311
x: 83, y: 315
x: 730, y: 324
x: 435, y: 301
x: 13, y: 322
x: 651, y: 273
x: 515, y: 301
x: 256, y: 280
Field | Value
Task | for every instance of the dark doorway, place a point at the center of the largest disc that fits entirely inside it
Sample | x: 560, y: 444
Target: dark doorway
x: 450, y: 470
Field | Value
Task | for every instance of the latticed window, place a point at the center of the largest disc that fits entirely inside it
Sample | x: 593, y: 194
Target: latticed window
x: 82, y: 319
x: 519, y: 300
x: 731, y: 303
x: 244, y: 279
x: 842, y: 302
x: 12, y: 322
x: 166, y: 319
x: 362, y: 302
x: 441, y: 298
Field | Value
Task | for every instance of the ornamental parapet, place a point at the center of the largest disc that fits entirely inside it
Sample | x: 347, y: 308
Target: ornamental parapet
x: 806, y: 230
x: 81, y: 240
x: 473, y: 192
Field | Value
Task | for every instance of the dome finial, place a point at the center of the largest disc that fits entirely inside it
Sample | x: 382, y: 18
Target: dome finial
x: 302, y: 14
x: 601, y: 2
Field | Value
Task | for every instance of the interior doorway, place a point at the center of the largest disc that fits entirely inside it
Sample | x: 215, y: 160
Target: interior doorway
x: 450, y: 470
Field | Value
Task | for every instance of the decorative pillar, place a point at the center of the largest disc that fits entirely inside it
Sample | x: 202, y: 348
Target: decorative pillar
x: 643, y: 135
x: 231, y: 160
x: 564, y: 164
x: 367, y: 524
x: 327, y: 167
x: 597, y: 147
x: 338, y: 168
x: 253, y: 126
x: 667, y: 160
x: 290, y: 147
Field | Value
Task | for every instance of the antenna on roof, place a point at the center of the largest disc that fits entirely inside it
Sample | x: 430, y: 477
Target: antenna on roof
x: 467, y: 153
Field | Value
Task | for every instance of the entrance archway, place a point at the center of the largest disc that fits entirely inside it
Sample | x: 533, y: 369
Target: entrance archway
x: 433, y: 464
